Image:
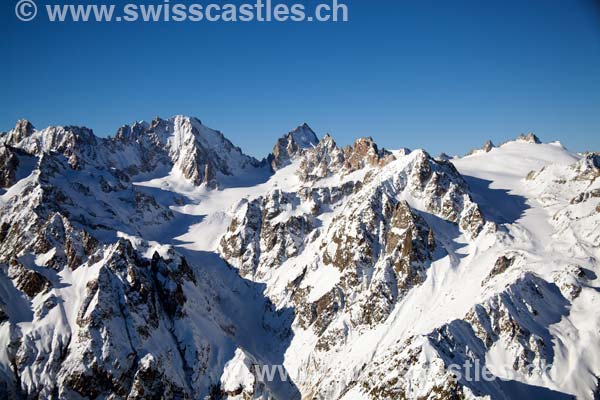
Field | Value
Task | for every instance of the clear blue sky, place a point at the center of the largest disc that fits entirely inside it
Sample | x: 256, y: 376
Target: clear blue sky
x: 440, y: 75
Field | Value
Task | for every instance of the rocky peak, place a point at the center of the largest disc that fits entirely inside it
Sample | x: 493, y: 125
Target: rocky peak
x: 320, y: 161
x: 156, y: 132
x: 443, y: 157
x: 158, y: 122
x: 304, y: 136
x: 291, y: 145
x: 80, y: 135
x: 128, y: 133
x: 29, y: 282
x: 22, y: 130
x: 487, y: 147
x: 365, y: 152
x: 529, y: 138
x: 195, y: 151
x: 74, y: 142
x: 326, y: 158
x: 201, y: 153
x: 327, y: 142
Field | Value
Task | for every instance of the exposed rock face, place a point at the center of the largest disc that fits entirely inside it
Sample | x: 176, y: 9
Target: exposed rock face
x: 321, y: 161
x: 258, y: 238
x: 265, y: 233
x: 292, y: 145
x: 151, y: 381
x: 326, y: 159
x: 29, y: 282
x: 23, y: 129
x: 122, y: 311
x: 132, y: 133
x: 503, y: 263
x: 444, y: 192
x: 365, y: 152
x: 9, y: 163
x: 385, y: 247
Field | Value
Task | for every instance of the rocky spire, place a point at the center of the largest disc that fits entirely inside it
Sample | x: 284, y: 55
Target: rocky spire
x: 488, y: 146
x: 291, y: 145
x: 529, y: 138
x: 22, y: 129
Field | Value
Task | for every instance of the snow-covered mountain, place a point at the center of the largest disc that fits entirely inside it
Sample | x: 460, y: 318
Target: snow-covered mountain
x: 163, y: 262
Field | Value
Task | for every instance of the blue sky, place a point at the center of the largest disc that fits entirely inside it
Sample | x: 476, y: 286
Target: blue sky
x: 440, y: 75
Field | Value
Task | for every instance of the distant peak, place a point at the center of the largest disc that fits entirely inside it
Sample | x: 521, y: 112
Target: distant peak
x: 529, y: 138
x: 443, y: 157
x: 487, y: 147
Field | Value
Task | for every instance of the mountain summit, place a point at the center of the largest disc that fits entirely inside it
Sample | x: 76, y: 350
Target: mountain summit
x: 292, y: 145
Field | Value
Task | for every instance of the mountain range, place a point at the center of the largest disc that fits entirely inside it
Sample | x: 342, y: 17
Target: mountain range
x: 164, y: 263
